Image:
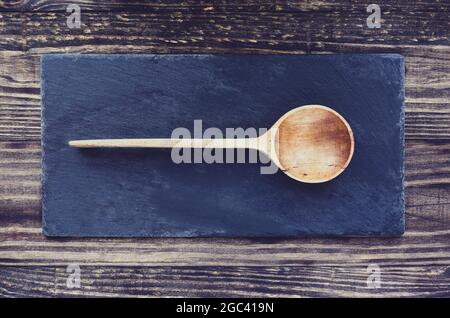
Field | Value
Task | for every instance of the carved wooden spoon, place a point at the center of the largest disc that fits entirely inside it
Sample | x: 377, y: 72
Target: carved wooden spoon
x: 311, y: 143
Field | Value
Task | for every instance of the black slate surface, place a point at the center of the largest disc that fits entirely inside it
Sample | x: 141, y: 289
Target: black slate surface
x: 141, y: 192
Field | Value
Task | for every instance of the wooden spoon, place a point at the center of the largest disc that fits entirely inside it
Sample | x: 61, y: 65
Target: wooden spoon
x: 311, y: 143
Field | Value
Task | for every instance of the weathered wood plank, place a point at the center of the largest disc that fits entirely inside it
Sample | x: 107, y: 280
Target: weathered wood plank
x: 223, y: 281
x: 426, y: 241
x: 427, y: 163
x: 11, y: 32
x: 295, y: 26
x: 221, y: 5
x: 309, y: 30
x: 19, y: 97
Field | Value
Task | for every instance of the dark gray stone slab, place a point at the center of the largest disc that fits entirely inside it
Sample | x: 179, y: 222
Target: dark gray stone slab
x: 141, y: 192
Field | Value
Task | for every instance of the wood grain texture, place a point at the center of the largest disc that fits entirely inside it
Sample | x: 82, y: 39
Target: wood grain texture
x: 416, y: 264
x: 224, y: 281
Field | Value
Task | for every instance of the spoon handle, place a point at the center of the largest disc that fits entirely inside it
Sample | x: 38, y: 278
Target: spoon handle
x: 251, y: 143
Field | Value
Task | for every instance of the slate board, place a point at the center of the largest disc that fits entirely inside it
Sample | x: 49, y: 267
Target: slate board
x: 141, y: 192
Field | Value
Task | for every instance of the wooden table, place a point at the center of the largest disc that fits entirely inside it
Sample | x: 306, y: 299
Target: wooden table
x: 417, y: 264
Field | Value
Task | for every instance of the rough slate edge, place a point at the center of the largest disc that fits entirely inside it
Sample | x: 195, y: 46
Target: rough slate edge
x: 402, y: 140
x: 401, y: 228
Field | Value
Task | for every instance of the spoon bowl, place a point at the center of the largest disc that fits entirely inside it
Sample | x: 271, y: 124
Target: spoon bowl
x: 313, y: 143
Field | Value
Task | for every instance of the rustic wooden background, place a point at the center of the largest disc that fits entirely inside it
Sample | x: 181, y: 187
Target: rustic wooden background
x: 417, y: 264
